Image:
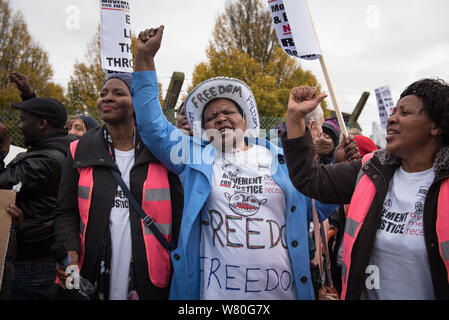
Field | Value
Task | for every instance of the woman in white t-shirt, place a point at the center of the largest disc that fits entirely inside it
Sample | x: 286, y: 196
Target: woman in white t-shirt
x: 396, y: 242
x: 101, y: 231
x: 244, y: 227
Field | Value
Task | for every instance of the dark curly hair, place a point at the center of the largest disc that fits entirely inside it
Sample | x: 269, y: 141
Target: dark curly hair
x: 435, y: 95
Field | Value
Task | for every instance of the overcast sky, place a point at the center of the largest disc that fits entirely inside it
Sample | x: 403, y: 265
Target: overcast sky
x: 366, y: 43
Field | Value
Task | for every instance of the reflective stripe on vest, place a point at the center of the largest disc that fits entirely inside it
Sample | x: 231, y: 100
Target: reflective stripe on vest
x: 443, y: 223
x: 85, y: 186
x: 361, y: 202
x: 156, y: 203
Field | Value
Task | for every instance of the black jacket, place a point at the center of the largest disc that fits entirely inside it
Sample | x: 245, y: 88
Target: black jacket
x: 336, y: 184
x: 39, y: 169
x: 92, y: 151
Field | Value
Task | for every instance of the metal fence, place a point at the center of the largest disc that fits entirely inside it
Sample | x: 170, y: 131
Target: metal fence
x: 10, y: 117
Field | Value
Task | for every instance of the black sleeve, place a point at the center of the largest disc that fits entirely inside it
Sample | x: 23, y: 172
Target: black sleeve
x: 28, y: 96
x: 335, y: 218
x: 2, y: 158
x: 326, y: 183
x: 67, y: 219
x: 33, y: 171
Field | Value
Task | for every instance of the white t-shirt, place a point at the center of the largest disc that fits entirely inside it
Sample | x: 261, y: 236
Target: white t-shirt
x: 243, y: 249
x: 399, y: 266
x: 121, y: 231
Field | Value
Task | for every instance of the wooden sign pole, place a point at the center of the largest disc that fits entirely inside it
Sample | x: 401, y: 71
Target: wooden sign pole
x: 341, y: 121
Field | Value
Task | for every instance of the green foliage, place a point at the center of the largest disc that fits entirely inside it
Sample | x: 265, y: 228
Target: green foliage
x: 245, y: 47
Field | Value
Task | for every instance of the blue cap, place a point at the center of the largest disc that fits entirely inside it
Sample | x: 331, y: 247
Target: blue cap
x: 124, y: 76
x: 90, y: 122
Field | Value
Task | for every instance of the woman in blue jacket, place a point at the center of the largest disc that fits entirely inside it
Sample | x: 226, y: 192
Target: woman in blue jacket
x: 244, y: 227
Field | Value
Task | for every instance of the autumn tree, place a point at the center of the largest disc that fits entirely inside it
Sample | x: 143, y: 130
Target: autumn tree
x: 86, y: 81
x: 246, y: 25
x: 18, y: 52
x: 245, y: 46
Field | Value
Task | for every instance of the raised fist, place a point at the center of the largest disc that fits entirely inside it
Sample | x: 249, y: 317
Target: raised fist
x: 149, y: 41
x: 304, y: 100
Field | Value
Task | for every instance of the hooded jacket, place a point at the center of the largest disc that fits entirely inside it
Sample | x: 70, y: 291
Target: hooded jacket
x: 39, y: 170
x: 336, y: 184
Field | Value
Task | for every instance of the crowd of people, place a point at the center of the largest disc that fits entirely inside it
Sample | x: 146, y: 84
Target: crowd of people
x: 206, y: 209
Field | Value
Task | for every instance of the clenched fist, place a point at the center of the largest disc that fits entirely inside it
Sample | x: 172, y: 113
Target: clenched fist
x: 302, y: 101
x: 147, y: 45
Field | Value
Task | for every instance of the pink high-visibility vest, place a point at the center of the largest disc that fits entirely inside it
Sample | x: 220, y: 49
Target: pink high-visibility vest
x: 361, y: 202
x: 155, y: 202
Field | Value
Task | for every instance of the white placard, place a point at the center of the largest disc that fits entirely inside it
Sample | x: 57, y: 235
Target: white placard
x: 115, y: 30
x: 294, y: 28
x: 385, y: 104
x: 13, y: 152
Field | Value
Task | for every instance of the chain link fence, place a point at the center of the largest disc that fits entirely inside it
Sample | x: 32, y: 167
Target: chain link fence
x: 10, y: 117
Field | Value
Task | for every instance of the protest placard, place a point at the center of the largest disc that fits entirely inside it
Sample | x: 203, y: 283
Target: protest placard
x: 115, y: 31
x: 6, y: 197
x: 294, y: 31
x: 385, y: 104
x: 297, y: 35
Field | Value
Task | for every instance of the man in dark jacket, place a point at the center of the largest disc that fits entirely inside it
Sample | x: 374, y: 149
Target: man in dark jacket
x: 37, y: 172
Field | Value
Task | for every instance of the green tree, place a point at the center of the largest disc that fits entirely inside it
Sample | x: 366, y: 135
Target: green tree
x: 18, y: 52
x: 245, y: 46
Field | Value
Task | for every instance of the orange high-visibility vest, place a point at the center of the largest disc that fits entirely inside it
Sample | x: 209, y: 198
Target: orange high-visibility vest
x: 361, y: 202
x: 156, y: 203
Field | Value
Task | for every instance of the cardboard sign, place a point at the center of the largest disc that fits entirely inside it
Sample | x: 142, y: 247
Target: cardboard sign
x: 6, y: 197
x: 385, y: 104
x: 115, y: 31
x: 294, y: 28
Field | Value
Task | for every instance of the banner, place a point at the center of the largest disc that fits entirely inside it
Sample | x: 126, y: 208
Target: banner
x: 115, y: 32
x: 294, y: 28
x: 6, y: 197
x: 385, y: 104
